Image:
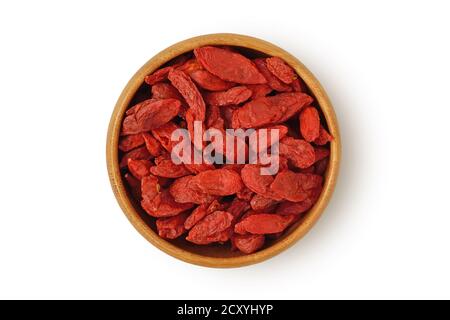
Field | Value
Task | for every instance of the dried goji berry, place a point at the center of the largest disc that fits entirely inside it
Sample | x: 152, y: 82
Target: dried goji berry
x: 293, y: 103
x: 219, y: 182
x: 184, y: 191
x: 172, y: 227
x: 201, y: 211
x: 167, y: 169
x: 296, y: 208
x: 232, y: 96
x: 163, y: 135
x: 131, y: 142
x: 211, y: 228
x: 140, y: 153
x: 309, y: 123
x: 210, y: 82
x: 158, y: 75
x: 220, y: 237
x: 248, y: 243
x: 256, y: 113
x: 164, y: 90
x: 260, y: 203
x: 228, y: 65
x: 153, y: 146
x: 323, y: 138
x: 196, y: 215
x: 150, y: 187
x: 255, y: 181
x: 135, y: 108
x: 139, y: 168
x: 190, y: 66
x: 281, y: 69
x: 269, y: 110
x: 259, y: 90
x: 151, y: 115
x: 272, y: 81
x: 298, y: 151
x: 164, y: 205
x: 263, y: 223
x: 293, y: 186
x: 190, y: 93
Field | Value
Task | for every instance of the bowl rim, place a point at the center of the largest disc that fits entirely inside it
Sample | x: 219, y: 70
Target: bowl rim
x: 112, y: 154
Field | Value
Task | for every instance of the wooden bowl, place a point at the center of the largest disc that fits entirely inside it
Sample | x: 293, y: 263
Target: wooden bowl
x: 216, y: 255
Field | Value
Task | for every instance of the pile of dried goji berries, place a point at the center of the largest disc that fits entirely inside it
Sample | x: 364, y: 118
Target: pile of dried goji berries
x: 223, y: 203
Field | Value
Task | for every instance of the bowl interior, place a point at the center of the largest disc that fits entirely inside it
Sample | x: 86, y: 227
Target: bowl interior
x: 217, y: 255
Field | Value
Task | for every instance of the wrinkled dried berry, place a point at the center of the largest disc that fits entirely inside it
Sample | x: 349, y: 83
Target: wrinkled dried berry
x: 296, y: 208
x: 232, y: 96
x: 139, y: 168
x: 151, y: 115
x: 269, y: 110
x: 310, y: 124
x: 172, y: 227
x: 153, y: 146
x: 158, y: 76
x: 260, y: 203
x: 164, y: 205
x: 140, y: 153
x: 219, y: 182
x: 184, y: 190
x: 228, y: 65
x: 263, y: 224
x: 211, y: 228
x: 248, y: 243
x: 190, y: 93
x: 164, y: 167
x: 298, y: 151
x: 293, y: 186
x: 131, y: 142
x: 210, y: 82
x: 281, y: 70
x: 272, y: 81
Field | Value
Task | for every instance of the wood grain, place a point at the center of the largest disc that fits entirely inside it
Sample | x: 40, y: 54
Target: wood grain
x: 214, y: 255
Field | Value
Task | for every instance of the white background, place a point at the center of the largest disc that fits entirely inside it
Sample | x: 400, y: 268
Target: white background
x: 385, y: 65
